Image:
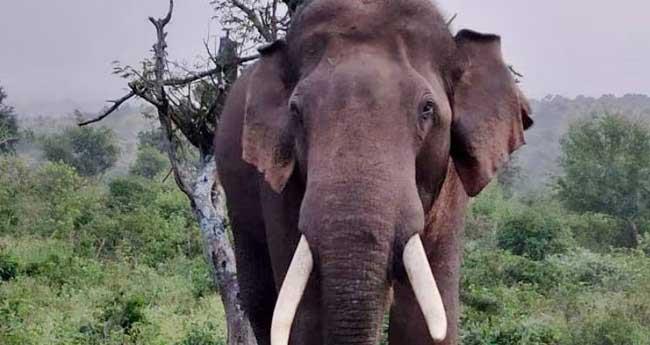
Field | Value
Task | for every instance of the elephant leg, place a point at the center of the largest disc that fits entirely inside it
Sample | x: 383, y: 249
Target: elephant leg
x: 256, y: 283
x: 254, y: 271
x: 407, y: 325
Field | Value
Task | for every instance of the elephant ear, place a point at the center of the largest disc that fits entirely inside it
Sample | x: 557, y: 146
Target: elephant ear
x: 490, y: 111
x: 267, y: 140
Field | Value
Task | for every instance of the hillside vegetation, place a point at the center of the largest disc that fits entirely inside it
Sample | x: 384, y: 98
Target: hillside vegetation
x: 553, y: 115
x: 115, y: 257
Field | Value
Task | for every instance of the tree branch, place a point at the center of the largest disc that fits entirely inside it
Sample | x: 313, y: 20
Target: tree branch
x: 116, y: 104
x: 205, y: 74
x: 254, y: 19
x: 164, y: 21
x: 451, y: 20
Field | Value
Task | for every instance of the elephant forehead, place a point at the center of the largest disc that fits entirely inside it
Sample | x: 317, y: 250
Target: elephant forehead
x: 407, y: 29
x: 368, y: 16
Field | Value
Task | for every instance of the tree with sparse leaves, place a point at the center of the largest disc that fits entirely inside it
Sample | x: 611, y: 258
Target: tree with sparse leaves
x: 8, y: 125
x: 606, y: 162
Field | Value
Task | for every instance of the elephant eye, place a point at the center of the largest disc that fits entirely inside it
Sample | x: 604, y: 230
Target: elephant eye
x: 429, y: 110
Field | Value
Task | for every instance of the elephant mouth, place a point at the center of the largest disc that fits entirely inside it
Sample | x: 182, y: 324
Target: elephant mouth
x: 418, y: 272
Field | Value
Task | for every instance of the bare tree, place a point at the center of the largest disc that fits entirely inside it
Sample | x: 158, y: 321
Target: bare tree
x: 188, y: 108
x: 251, y: 22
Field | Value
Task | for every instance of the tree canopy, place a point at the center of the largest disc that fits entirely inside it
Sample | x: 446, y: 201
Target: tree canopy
x: 91, y: 151
x: 8, y: 124
x: 606, y: 164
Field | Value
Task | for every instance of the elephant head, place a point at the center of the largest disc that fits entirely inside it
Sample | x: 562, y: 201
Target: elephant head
x: 367, y: 102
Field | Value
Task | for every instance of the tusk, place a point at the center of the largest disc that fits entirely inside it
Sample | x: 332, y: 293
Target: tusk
x: 291, y: 293
x: 425, y: 288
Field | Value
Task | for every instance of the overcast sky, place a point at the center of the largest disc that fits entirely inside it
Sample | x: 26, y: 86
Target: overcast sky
x: 52, y: 51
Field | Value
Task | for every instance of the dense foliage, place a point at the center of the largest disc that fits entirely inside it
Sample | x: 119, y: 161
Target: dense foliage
x: 91, y: 151
x: 111, y: 264
x: 533, y: 275
x: 149, y: 162
x: 118, y: 261
x: 606, y: 170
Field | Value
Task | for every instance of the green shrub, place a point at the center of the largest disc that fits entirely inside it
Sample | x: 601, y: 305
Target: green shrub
x: 123, y: 312
x: 513, y: 333
x: 593, y: 270
x: 15, y: 181
x: 597, y: 232
x: 486, y: 213
x: 8, y: 267
x: 91, y: 151
x: 149, y: 163
x: 521, y: 270
x: 57, y: 201
x: 534, y: 232
x: 202, y: 335
x: 611, y: 329
x: 129, y: 193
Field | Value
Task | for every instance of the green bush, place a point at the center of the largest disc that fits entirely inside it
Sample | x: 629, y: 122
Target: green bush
x: 486, y: 213
x: 149, y: 163
x: 514, y: 333
x: 611, y: 329
x: 597, y: 232
x: 104, y: 302
x: 202, y: 335
x: 534, y: 232
x: 16, y: 181
x: 123, y: 312
x: 129, y: 193
x: 587, y: 269
x: 91, y: 151
x: 8, y: 267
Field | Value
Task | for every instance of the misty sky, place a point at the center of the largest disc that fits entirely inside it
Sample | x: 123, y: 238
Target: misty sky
x: 58, y: 50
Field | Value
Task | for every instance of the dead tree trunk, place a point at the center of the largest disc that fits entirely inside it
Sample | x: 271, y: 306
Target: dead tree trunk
x: 208, y: 204
x: 202, y: 195
x: 182, y: 124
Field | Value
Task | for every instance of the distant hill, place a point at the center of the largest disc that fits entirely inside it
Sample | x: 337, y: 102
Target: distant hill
x: 553, y: 115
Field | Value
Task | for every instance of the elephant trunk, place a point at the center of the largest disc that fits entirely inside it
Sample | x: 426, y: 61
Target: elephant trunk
x: 354, y: 280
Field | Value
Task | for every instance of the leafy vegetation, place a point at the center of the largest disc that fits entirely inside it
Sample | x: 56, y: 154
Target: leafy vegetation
x: 527, y: 281
x: 8, y: 124
x: 117, y: 259
x: 113, y: 264
x: 89, y: 150
x: 606, y: 170
x: 149, y: 162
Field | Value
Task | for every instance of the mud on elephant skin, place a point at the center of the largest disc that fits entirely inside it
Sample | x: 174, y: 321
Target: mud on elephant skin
x: 348, y: 154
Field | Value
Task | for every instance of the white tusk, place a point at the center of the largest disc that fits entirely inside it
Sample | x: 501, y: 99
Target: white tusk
x: 425, y: 288
x: 291, y: 293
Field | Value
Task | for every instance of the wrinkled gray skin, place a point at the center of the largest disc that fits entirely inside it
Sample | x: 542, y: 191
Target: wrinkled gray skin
x: 370, y: 123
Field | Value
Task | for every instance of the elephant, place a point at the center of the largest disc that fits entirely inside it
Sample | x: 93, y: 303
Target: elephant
x: 348, y: 154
